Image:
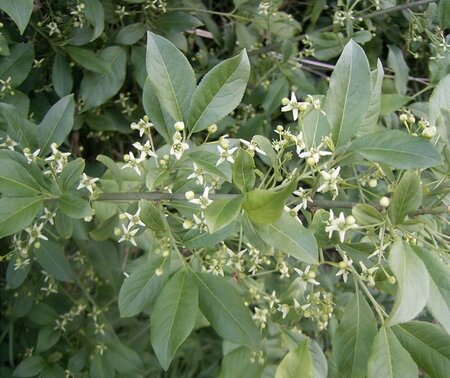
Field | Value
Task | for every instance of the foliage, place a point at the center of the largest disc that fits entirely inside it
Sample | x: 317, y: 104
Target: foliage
x: 187, y: 192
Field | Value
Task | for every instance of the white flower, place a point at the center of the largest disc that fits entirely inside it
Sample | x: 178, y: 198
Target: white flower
x: 31, y: 157
x: 134, y: 219
x: 303, y: 194
x: 197, y: 174
x: 48, y: 216
x: 60, y: 158
x: 299, y: 142
x: 146, y: 149
x: 252, y: 147
x: 203, y: 200
x: 344, y: 267
x: 306, y: 276
x: 87, y: 182
x: 35, y: 232
x: 144, y: 126
x: 128, y: 235
x: 294, y: 212
x: 284, y: 309
x: 367, y: 274
x: 340, y: 225
x: 260, y: 316
x: 291, y: 105
x: 225, y: 154
x: 331, y: 180
x: 9, y: 143
x: 132, y: 162
x: 315, y: 153
x: 178, y: 146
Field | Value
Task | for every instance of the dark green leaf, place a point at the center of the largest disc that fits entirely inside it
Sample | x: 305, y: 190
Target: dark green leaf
x: 350, y: 89
x: 17, y: 213
x: 397, y: 149
x: 105, y: 229
x: 428, y: 345
x: 388, y: 359
x: 171, y: 76
x: 29, y: 367
x: 74, y: 206
x: 142, y: 287
x: 353, y: 338
x: 51, y: 258
x: 413, y: 283
x: 19, y: 10
x: 89, y: 60
x: 62, y: 79
x: 397, y: 63
x: 243, y: 171
x: 15, y: 180
x: 224, y: 309
x: 152, y: 216
x: 175, y: 22
x: 220, y: 91
x: 221, y: 213
x: 444, y: 14
x: 63, y: 225
x: 289, y: 236
x: 124, y: 359
x: 16, y: 277
x: 71, y: 173
x: 173, y: 317
x: 20, y: 129
x: 96, y: 16
x: 57, y: 124
x: 130, y: 34
x: 18, y: 63
x: 406, y: 198
x: 47, y: 337
x: 370, y: 120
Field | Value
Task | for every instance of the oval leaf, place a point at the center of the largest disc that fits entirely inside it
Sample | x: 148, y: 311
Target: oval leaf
x: 221, y: 213
x: 406, y: 198
x: 296, y: 361
x: 16, y: 213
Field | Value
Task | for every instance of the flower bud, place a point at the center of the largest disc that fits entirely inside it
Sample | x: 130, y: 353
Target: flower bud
x: 190, y: 195
x: 166, y: 253
x: 117, y: 231
x: 429, y: 132
x: 373, y: 183
x: 350, y: 220
x: 311, y: 274
x: 411, y: 119
x: 403, y: 117
x: 392, y: 280
x: 179, y: 126
x: 280, y: 128
x: 342, y: 265
x: 122, y: 216
x: 212, y: 128
x: 385, y: 201
x: 159, y: 271
x: 37, y: 244
x: 303, y: 107
x: 310, y: 161
x: 284, y: 101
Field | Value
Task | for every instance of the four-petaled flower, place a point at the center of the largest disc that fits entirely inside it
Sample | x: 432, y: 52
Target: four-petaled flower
x: 87, y: 182
x: 203, y: 200
x: 331, y: 179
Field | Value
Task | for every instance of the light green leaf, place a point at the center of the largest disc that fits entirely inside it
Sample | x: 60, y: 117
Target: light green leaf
x: 353, y: 338
x: 397, y: 63
x: 51, y: 258
x: 315, y: 127
x: 141, y: 288
x: 74, y: 205
x: 238, y: 364
x: 370, y: 120
x: 96, y: 16
x: 296, y: 361
x: 428, y: 345
x: 152, y: 216
x: 407, y: 197
x: 266, y: 146
x: 391, y: 102
x: 224, y: 309
x: 439, y: 102
x: 130, y: 34
x: 173, y: 317
x: 15, y: 181
x: 19, y: 11
x: 63, y: 225
x: 366, y: 215
x: 266, y: 206
x: 88, y: 59
x: 171, y: 76
x: 350, y: 89
x: 388, y: 359
x: 289, y: 236
x: 18, y: 63
x: 243, y: 171
x: 413, y: 283
x: 57, y: 124
x: 105, y: 228
x: 30, y: 367
x: 219, y: 92
x: 71, y: 173
x: 95, y: 88
x: 203, y: 239
x: 16, y: 213
x: 439, y: 300
x: 397, y: 149
x: 207, y: 161
x: 221, y: 213
x: 62, y: 79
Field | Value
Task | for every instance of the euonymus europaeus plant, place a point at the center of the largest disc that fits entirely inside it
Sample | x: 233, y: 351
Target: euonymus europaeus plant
x: 313, y: 248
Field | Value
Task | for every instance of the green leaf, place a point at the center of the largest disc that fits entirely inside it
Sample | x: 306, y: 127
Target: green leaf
x: 223, y: 308
x: 444, y: 14
x: 349, y: 89
x: 176, y: 22
x: 289, y: 236
x: 220, y: 91
x: 96, y: 16
x: 105, y: 228
x: 370, y: 120
x: 20, y: 129
x: 297, y: 360
x: 19, y: 11
x: 171, y: 75
x: 16, y: 213
x: 388, y: 359
x: 29, y: 367
x: 142, y: 287
x: 366, y: 215
x: 89, y: 60
x: 63, y: 225
x: 16, y: 277
x: 222, y: 212
x: 62, y: 79
x: 152, y: 216
x: 407, y: 197
x: 397, y: 63
x: 4, y: 47
x: 100, y: 366
x: 207, y: 161
x: 439, y: 299
x: 266, y: 206
x: 71, y: 173
x: 266, y: 146
x: 202, y: 239
x: 397, y: 149
x: 18, y: 63
x: 47, y: 337
x: 113, y: 168
x: 428, y: 345
x: 57, y: 124
x: 238, y: 364
x: 130, y: 34
x: 439, y: 102
x: 243, y: 171
x: 315, y: 127
x: 391, y: 102
x: 413, y: 283
x: 74, y: 206
x: 51, y: 258
x: 173, y: 317
x: 353, y: 338
x: 122, y: 358
x: 97, y: 88
x: 15, y: 180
